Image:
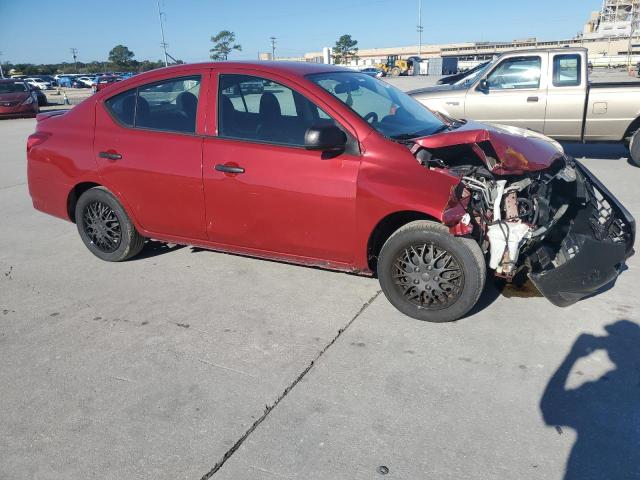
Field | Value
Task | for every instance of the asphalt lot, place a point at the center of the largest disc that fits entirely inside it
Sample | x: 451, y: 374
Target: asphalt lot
x: 169, y: 365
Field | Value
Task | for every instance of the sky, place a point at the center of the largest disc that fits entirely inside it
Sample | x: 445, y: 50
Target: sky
x: 45, y: 32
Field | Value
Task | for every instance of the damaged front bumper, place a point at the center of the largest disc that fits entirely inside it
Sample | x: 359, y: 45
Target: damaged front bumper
x: 599, y: 237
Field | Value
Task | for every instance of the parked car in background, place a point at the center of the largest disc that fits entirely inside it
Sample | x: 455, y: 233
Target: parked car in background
x: 103, y: 81
x: 327, y: 167
x: 17, y: 99
x: 48, y: 78
x: 83, y: 82
x: 546, y: 91
x: 373, y: 72
x: 38, y: 83
x: 65, y: 80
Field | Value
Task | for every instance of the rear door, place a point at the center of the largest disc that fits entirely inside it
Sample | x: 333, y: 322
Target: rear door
x: 566, y: 96
x: 149, y: 151
x: 516, y: 93
x: 264, y: 192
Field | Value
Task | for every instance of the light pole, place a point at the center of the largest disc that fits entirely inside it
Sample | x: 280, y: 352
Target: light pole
x: 420, y: 28
x: 1, y: 72
x: 273, y: 47
x: 164, y: 44
x: 74, y: 53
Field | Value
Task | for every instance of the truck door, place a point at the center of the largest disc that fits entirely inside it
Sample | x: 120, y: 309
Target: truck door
x: 565, y: 96
x: 513, y: 93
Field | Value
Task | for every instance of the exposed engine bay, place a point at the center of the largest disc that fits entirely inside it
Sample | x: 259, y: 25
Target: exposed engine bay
x: 559, y: 225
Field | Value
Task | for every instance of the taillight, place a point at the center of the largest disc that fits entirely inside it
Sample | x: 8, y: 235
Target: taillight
x: 36, y: 139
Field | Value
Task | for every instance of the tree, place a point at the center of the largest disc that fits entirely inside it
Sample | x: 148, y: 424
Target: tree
x: 121, y: 56
x: 345, y: 50
x: 223, y: 45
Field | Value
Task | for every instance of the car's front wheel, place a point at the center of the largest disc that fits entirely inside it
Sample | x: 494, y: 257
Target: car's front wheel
x: 105, y: 227
x: 429, y: 274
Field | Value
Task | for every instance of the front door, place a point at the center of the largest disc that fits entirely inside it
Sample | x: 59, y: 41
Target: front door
x: 515, y: 94
x: 149, y: 154
x: 264, y: 192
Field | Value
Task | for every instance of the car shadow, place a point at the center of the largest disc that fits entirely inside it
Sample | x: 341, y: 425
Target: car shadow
x: 153, y: 248
x: 605, y: 413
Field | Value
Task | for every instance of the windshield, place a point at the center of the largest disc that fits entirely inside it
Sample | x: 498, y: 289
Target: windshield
x: 12, y: 87
x: 389, y: 110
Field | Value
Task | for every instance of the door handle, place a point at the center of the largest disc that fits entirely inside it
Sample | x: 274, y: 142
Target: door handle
x: 229, y: 169
x: 532, y: 99
x: 110, y: 155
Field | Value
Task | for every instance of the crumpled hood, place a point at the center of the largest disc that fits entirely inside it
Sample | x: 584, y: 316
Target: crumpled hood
x: 505, y: 150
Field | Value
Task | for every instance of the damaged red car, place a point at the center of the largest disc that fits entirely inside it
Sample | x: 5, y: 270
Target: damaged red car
x: 327, y: 167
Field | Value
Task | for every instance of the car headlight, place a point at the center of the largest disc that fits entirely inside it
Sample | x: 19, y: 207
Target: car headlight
x: 28, y: 101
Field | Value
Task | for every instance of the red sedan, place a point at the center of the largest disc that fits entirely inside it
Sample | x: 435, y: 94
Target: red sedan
x: 17, y: 99
x: 328, y: 167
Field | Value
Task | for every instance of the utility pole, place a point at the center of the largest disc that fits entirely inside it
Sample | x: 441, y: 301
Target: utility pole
x: 634, y: 24
x: 164, y: 44
x: 420, y: 28
x: 74, y: 53
x: 1, y: 72
x: 273, y: 47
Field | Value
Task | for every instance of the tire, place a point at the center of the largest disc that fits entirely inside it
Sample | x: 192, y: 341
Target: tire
x: 441, y: 295
x: 634, y: 148
x: 395, y: 72
x: 105, y: 228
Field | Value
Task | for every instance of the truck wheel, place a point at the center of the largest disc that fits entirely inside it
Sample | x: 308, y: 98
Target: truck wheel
x: 395, y: 72
x: 430, y: 275
x: 105, y: 228
x: 634, y: 148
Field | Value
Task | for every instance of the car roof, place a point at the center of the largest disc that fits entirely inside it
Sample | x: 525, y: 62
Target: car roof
x: 11, y: 80
x: 282, y: 67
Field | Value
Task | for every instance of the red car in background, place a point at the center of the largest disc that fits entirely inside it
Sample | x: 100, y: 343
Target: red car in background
x: 328, y: 167
x: 17, y: 99
x: 103, y: 81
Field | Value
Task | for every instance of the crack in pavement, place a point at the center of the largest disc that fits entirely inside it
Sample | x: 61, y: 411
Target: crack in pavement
x: 268, y: 408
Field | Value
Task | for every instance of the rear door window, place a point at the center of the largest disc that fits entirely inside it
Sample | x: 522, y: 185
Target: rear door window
x: 567, y: 70
x: 170, y: 105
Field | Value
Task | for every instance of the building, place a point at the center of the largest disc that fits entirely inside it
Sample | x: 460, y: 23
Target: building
x: 616, y: 18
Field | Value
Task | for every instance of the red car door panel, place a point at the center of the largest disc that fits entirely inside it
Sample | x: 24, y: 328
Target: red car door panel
x: 288, y: 200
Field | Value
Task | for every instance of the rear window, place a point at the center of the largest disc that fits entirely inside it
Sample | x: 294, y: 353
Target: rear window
x: 567, y: 70
x: 12, y: 87
x: 170, y: 105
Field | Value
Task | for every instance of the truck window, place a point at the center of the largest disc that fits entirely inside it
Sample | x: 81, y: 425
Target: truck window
x: 517, y: 72
x: 567, y: 70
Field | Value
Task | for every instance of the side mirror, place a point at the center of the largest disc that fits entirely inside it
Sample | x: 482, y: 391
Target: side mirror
x: 327, y: 138
x: 483, y: 85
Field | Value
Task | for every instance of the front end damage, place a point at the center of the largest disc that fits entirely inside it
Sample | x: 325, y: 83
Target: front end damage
x: 532, y: 209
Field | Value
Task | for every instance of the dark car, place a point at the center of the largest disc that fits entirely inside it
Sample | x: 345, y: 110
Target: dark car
x: 48, y: 78
x: 17, y: 99
x: 102, y: 81
x: 451, y: 79
x: 335, y: 169
x: 372, y: 72
x: 42, y: 97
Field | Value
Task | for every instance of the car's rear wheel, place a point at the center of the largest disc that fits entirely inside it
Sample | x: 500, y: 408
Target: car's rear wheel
x: 105, y: 228
x: 428, y: 274
x: 634, y: 148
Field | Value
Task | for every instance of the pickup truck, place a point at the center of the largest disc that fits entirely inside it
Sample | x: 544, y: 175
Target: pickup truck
x: 548, y: 91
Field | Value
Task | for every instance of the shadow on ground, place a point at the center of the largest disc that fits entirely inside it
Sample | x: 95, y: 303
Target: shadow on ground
x: 605, y: 413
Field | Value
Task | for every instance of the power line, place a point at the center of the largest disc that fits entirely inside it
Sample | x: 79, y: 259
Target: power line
x: 420, y: 28
x: 74, y: 54
x: 163, y: 44
x: 273, y: 47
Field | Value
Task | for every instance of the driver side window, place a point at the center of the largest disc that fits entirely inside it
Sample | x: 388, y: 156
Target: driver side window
x: 257, y: 109
x: 516, y: 73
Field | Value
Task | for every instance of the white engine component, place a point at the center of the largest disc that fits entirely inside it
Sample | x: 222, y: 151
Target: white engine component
x: 498, y: 245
